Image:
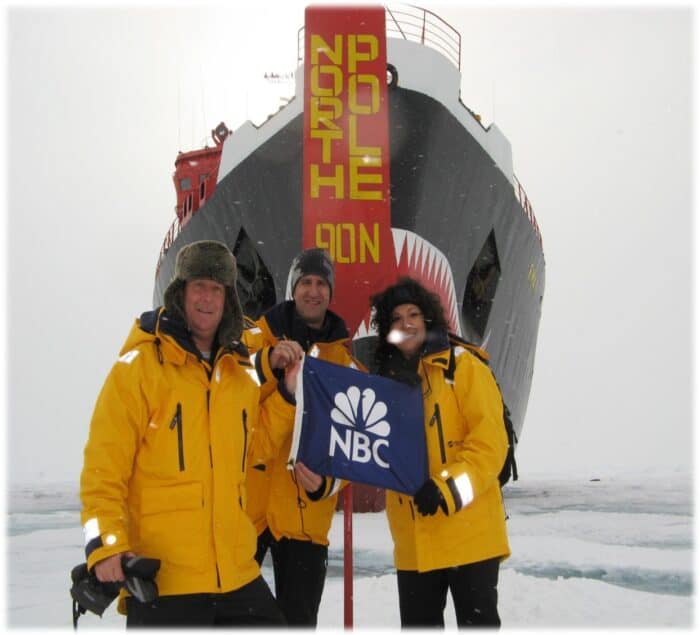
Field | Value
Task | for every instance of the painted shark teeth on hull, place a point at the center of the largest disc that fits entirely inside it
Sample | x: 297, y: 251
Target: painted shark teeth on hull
x: 416, y: 257
x: 364, y: 329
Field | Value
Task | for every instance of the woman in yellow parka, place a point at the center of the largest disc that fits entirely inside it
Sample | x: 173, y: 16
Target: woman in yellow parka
x: 452, y: 533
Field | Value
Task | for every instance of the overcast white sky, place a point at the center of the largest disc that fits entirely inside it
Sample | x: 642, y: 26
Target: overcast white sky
x: 597, y: 104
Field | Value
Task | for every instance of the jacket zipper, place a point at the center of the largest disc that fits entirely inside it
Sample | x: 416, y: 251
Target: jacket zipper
x: 436, y: 418
x: 245, y: 439
x: 211, y: 456
x: 177, y: 421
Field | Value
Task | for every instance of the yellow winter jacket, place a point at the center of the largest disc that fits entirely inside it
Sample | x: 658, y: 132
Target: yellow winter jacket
x: 275, y: 500
x: 465, y: 435
x: 165, y: 461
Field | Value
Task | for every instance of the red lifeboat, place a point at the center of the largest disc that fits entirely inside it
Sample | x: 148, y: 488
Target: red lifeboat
x: 196, y: 174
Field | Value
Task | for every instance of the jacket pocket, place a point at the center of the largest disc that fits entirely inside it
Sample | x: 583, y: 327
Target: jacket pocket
x: 155, y: 500
x: 172, y: 525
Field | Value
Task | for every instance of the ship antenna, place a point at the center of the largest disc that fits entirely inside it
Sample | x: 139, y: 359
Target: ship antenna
x: 493, y: 100
x: 201, y: 90
x: 178, y: 61
x: 179, y: 107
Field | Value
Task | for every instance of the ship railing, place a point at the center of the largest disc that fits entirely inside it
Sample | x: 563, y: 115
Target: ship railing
x: 169, y: 239
x: 412, y: 23
x: 527, y: 207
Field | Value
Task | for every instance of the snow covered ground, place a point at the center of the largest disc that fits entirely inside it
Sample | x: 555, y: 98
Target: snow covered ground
x: 613, y: 553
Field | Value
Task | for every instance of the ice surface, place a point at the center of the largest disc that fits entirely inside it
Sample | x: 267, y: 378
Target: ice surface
x: 615, y: 553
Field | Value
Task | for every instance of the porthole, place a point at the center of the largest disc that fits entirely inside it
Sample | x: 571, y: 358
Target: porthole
x: 392, y: 76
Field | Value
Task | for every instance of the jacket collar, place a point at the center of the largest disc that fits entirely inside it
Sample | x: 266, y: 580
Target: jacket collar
x: 284, y: 320
x: 166, y: 328
x: 436, y: 351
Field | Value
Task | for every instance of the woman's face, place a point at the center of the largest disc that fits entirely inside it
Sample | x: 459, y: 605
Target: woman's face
x: 407, y: 329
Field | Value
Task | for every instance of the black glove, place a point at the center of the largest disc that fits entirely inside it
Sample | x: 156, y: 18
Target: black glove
x: 316, y: 495
x: 428, y: 497
x: 89, y: 594
x: 139, y: 577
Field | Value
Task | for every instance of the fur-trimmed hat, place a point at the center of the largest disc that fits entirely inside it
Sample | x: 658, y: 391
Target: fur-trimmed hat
x: 406, y: 291
x: 313, y: 262
x: 211, y: 260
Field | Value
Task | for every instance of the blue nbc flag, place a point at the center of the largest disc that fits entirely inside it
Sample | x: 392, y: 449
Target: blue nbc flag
x: 359, y: 427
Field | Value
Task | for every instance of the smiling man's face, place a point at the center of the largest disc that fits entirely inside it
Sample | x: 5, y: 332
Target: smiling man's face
x: 203, y: 301
x: 312, y: 295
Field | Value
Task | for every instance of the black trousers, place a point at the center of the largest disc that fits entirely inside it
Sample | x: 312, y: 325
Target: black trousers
x: 422, y: 596
x: 264, y: 541
x: 251, y: 605
x: 300, y: 573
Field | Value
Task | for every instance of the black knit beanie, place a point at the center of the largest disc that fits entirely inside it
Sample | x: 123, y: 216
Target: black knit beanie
x: 312, y: 261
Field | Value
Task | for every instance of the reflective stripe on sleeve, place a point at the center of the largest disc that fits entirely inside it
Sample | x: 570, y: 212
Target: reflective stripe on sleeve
x: 461, y: 489
x: 91, y: 530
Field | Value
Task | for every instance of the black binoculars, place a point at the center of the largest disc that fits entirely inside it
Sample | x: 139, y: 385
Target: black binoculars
x: 89, y: 594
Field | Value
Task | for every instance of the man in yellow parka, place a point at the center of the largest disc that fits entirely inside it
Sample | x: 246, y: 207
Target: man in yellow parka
x: 165, y: 461
x: 292, y: 522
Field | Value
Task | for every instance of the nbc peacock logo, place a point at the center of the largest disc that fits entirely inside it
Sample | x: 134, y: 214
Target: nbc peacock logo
x: 364, y: 427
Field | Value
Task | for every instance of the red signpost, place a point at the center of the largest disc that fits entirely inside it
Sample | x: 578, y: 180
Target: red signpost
x: 347, y: 558
x: 346, y: 200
